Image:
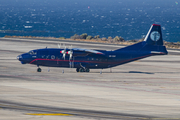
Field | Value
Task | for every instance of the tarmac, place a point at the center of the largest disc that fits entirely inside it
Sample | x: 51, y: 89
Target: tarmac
x: 148, y: 89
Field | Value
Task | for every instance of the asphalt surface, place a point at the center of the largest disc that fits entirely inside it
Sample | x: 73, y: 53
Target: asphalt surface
x: 146, y: 89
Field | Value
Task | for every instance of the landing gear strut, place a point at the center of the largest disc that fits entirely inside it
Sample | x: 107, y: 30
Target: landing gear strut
x: 39, y: 69
x: 87, y: 70
x: 82, y: 70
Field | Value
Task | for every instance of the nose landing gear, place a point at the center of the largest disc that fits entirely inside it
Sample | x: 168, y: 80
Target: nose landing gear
x: 39, y: 70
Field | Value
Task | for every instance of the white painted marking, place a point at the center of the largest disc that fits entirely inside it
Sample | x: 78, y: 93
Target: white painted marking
x: 174, y: 51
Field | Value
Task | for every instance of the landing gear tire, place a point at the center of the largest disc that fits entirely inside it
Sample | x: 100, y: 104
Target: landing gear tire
x: 87, y: 70
x: 81, y: 70
x: 39, y: 70
x: 77, y: 69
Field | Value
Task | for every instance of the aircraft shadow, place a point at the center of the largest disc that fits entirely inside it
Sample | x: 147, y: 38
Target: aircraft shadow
x: 127, y: 72
x: 140, y: 72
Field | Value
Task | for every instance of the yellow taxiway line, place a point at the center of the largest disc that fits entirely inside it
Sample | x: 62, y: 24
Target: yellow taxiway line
x: 49, y: 114
x: 161, y: 118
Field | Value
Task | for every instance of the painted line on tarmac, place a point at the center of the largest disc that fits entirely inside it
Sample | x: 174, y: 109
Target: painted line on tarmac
x: 26, y: 108
x: 49, y: 114
x: 161, y: 118
x: 72, y: 113
x: 81, y: 114
x: 78, y: 113
x: 173, y: 51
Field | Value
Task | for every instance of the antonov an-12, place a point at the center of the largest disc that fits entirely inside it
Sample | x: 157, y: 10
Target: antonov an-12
x: 84, y: 59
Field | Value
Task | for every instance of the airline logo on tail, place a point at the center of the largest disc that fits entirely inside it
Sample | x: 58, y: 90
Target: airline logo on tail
x: 155, y: 36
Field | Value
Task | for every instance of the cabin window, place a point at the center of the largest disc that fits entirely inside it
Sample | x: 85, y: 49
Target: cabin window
x: 33, y: 52
x: 52, y: 57
x: 47, y: 56
x: 92, y: 58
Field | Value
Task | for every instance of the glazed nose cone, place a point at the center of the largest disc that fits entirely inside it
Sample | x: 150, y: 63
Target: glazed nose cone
x: 19, y: 57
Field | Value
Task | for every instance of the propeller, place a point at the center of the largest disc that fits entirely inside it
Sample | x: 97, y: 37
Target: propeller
x: 63, y: 52
x: 59, y: 45
x: 70, y: 53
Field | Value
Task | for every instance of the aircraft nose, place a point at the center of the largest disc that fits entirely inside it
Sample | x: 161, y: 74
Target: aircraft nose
x: 19, y: 57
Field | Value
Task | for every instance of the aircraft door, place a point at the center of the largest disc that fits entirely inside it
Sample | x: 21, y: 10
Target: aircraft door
x: 44, y: 56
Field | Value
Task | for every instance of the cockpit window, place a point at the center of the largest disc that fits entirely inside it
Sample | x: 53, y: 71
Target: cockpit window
x: 32, y: 52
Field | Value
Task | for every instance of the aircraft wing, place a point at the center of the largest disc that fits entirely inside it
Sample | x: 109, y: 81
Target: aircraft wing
x: 87, y: 51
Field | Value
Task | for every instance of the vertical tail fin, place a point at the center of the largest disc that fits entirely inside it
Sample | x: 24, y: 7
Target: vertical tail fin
x: 152, y: 43
x: 154, y: 36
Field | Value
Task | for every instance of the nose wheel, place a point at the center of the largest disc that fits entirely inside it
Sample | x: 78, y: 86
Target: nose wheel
x: 82, y: 70
x: 39, y: 70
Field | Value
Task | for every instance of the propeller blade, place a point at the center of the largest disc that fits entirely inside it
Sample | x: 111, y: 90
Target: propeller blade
x: 64, y: 46
x: 64, y: 55
x: 70, y: 57
x: 59, y: 45
x: 70, y: 54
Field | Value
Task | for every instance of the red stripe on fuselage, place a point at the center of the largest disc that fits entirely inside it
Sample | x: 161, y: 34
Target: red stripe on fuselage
x: 64, y: 60
x: 91, y: 61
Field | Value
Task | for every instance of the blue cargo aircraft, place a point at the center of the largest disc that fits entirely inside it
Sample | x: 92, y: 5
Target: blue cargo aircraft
x: 84, y: 59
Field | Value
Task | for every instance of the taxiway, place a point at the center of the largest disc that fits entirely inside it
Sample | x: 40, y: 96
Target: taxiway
x: 144, y: 90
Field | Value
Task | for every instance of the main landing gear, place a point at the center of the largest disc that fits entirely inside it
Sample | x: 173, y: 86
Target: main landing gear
x: 82, y: 70
x: 39, y: 69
